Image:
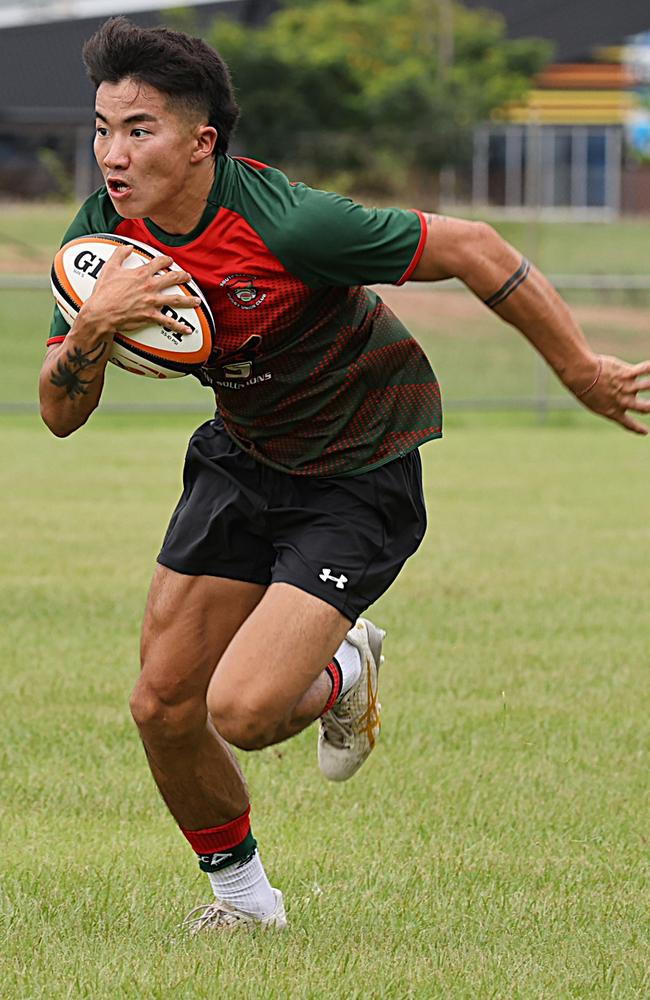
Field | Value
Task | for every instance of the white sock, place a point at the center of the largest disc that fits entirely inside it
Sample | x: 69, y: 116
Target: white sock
x: 348, y: 658
x: 245, y: 886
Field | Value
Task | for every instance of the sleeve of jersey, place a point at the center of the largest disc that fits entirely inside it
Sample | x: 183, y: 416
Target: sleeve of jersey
x: 96, y: 215
x: 58, y: 328
x: 331, y: 240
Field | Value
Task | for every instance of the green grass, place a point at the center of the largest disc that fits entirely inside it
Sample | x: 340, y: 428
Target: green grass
x: 33, y: 232
x: 25, y: 316
x: 474, y: 358
x: 484, y: 359
x: 582, y: 248
x: 30, y: 233
x: 495, y: 846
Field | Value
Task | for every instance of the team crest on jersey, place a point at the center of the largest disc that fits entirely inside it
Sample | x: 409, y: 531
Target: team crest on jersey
x: 242, y: 291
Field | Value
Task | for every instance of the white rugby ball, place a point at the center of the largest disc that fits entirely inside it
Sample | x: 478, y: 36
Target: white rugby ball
x: 154, y: 351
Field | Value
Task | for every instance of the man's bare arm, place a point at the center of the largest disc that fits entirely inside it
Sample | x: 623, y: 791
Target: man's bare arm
x: 523, y: 297
x: 72, y: 376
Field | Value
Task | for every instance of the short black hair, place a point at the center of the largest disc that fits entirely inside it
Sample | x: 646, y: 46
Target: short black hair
x: 187, y: 70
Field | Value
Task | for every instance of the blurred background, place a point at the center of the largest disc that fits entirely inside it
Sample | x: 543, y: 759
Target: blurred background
x: 516, y: 104
x: 534, y: 114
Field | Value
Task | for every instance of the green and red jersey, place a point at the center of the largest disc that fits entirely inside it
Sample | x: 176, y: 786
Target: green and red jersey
x: 313, y: 374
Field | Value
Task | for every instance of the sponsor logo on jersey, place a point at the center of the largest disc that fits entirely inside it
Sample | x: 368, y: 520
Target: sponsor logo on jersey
x: 230, y: 384
x: 241, y: 369
x: 242, y: 291
x: 238, y: 371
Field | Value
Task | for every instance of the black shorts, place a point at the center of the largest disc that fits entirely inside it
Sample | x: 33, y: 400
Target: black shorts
x: 342, y: 538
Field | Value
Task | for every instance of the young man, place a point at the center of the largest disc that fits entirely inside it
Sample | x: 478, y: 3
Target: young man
x: 302, y: 499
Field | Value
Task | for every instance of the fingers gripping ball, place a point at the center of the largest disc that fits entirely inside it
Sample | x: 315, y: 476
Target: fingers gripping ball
x: 156, y: 350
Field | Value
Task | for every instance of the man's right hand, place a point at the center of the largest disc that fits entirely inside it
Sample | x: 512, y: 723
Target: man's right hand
x: 127, y: 298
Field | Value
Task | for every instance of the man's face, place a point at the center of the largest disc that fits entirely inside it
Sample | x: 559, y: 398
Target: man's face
x: 144, y: 149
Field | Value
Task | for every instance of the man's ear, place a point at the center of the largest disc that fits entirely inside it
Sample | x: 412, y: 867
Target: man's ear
x: 205, y: 139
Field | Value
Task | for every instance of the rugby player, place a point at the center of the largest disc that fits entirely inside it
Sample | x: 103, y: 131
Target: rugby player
x: 302, y: 498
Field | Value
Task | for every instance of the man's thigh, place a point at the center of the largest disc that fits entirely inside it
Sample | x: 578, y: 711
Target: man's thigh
x: 246, y: 653
x: 189, y: 622
x: 277, y: 653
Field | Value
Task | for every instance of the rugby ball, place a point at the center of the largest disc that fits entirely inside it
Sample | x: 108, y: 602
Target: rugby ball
x: 154, y: 351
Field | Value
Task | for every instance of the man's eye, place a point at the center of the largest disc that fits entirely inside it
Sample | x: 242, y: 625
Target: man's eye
x: 100, y: 130
x: 141, y: 131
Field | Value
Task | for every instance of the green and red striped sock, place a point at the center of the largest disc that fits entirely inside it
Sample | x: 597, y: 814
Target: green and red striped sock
x: 228, y: 854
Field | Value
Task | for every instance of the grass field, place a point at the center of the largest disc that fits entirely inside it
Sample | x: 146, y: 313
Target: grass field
x: 496, y: 845
x: 475, y: 356
x: 29, y: 234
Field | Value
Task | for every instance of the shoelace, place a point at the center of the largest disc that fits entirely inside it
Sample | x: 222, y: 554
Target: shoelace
x: 339, y: 726
x: 337, y: 732
x: 211, y: 915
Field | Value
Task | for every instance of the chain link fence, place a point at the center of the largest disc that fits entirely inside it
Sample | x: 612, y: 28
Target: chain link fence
x: 483, y: 365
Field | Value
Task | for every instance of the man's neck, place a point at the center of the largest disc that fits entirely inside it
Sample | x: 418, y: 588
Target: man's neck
x: 185, y: 214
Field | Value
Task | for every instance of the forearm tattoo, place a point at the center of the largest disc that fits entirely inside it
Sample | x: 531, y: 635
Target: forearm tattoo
x: 513, y: 282
x: 68, y: 370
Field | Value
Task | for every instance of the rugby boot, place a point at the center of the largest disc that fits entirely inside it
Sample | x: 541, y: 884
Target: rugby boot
x: 221, y: 916
x: 349, y: 731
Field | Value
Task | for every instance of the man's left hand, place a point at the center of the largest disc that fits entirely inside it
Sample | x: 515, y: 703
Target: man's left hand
x: 616, y: 391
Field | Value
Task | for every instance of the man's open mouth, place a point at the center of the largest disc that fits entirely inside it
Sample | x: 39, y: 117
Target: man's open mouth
x: 116, y: 186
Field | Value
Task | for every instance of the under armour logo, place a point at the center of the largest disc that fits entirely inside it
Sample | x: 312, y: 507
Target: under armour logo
x: 326, y: 574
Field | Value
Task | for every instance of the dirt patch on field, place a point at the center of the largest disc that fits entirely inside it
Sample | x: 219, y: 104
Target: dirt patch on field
x: 31, y: 261
x: 421, y: 306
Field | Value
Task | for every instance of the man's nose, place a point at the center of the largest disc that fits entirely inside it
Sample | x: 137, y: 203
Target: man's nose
x: 116, y: 155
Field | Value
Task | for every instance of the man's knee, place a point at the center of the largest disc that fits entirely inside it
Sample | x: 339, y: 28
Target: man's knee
x: 164, y: 717
x: 246, y: 726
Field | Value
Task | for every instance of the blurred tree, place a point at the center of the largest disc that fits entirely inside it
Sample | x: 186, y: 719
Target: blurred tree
x: 371, y: 93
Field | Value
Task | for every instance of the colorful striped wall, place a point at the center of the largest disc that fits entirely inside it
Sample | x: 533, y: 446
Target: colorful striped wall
x: 577, y: 94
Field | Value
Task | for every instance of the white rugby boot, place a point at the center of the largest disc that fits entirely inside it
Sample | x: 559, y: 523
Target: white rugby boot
x: 221, y: 916
x: 349, y: 731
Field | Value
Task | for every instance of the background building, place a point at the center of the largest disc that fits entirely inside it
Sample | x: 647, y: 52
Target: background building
x: 576, y: 27
x: 45, y: 99
x: 568, y: 149
x: 578, y: 145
